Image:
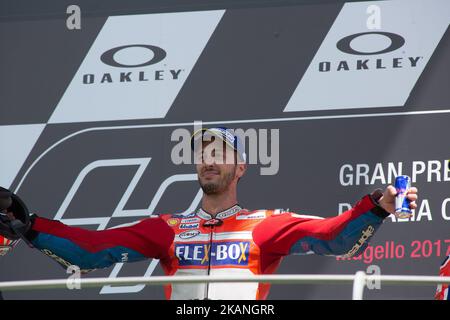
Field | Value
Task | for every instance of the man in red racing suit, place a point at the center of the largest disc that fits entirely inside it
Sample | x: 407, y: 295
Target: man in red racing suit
x: 221, y: 238
x: 6, y: 246
x: 442, y: 289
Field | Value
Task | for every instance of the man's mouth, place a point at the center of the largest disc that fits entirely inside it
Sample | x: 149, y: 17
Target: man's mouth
x: 210, y: 173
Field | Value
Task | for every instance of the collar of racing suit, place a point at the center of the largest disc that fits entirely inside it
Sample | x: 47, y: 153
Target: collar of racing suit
x: 221, y: 215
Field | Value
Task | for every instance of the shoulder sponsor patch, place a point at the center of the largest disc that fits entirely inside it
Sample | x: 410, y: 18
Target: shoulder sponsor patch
x: 252, y: 216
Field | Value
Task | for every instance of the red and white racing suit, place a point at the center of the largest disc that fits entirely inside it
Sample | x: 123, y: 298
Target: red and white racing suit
x: 6, y: 246
x: 442, y: 289
x: 236, y: 242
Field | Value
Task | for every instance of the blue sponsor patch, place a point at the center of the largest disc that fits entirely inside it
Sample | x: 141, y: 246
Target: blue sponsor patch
x: 189, y: 225
x: 233, y: 253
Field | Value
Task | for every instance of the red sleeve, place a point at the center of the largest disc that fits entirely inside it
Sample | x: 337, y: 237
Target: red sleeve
x: 151, y: 237
x: 289, y: 233
x: 442, y: 289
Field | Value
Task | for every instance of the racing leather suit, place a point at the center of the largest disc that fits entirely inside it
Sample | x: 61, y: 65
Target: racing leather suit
x: 442, y: 289
x: 6, y: 245
x: 235, y: 242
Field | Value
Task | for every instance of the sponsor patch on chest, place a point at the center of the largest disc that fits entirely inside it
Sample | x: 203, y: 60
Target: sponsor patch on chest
x: 233, y: 253
x: 189, y: 225
x: 189, y: 234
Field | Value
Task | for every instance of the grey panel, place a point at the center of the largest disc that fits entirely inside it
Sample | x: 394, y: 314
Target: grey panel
x: 248, y: 70
x: 272, y: 45
x: 431, y: 90
x: 38, y: 60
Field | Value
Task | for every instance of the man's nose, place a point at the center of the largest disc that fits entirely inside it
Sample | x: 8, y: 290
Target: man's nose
x: 209, y: 159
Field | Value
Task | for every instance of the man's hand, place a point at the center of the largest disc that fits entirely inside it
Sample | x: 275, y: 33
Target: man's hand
x: 14, y: 216
x: 387, y: 201
x: 5, y: 199
x: 7, y: 222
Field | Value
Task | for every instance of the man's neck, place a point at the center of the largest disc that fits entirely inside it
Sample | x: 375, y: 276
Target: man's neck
x: 215, y: 203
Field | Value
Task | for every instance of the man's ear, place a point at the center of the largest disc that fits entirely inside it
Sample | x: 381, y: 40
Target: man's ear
x: 240, y: 170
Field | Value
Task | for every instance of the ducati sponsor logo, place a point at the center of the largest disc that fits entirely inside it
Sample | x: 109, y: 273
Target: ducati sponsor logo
x: 370, y: 63
x: 124, y: 74
x: 189, y: 234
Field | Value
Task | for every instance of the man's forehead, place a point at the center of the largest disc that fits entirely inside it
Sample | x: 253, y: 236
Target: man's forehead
x: 212, y: 144
x: 203, y: 138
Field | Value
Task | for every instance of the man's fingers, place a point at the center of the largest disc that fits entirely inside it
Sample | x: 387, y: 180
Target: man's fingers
x: 391, y: 191
x: 412, y: 190
x: 5, y: 202
x: 412, y: 196
x: 413, y: 205
x: 10, y: 215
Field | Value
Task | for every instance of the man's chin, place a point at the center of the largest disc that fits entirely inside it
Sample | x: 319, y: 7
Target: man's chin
x: 210, y: 188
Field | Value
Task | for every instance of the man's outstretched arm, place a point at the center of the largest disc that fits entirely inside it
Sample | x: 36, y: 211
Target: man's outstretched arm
x: 149, y: 238
x: 347, y: 234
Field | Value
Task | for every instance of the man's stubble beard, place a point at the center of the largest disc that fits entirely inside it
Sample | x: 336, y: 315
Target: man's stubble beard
x: 210, y: 188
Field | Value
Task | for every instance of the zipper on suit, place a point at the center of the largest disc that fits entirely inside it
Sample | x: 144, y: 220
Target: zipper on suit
x: 209, y: 262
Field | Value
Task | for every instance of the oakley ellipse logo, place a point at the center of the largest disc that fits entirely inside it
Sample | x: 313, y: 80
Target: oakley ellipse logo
x: 118, y: 58
x: 397, y: 42
x: 108, y: 56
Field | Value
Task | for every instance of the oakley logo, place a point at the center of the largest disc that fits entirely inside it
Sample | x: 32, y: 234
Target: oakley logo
x: 109, y: 58
x: 344, y: 44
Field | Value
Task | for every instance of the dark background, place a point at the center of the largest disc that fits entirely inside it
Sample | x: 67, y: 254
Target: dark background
x: 253, y: 82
